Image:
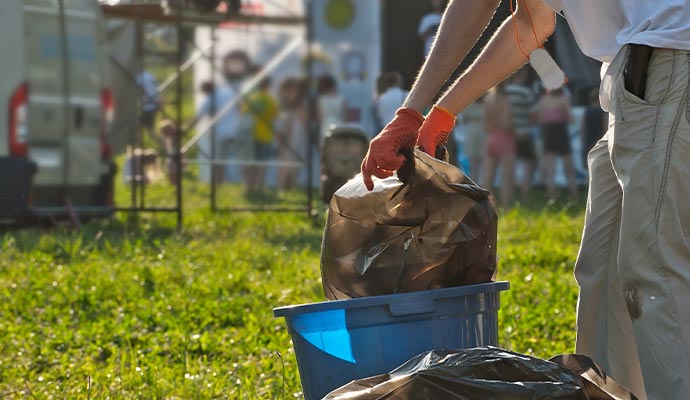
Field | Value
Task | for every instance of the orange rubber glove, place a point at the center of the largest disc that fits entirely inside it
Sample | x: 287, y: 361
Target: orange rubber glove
x: 383, y: 157
x: 435, y: 130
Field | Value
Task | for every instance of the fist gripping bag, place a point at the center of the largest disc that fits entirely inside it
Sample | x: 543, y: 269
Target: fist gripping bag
x: 429, y: 227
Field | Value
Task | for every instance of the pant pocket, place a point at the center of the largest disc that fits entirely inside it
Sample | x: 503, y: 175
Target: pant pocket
x: 632, y: 136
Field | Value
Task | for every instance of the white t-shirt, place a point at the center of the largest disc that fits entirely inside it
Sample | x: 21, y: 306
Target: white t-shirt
x: 602, y: 27
x: 389, y: 102
x: 227, y: 125
x: 429, y: 21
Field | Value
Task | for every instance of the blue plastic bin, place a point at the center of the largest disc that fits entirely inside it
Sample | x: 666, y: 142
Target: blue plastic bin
x: 340, y: 341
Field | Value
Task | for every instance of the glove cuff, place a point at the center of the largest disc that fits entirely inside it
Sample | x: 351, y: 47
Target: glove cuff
x: 408, y: 113
x: 441, y: 122
x: 441, y: 119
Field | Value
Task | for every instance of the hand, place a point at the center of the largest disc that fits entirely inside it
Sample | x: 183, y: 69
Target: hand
x: 435, y: 130
x: 383, y: 157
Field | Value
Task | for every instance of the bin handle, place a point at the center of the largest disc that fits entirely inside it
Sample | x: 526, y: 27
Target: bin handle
x: 412, y: 304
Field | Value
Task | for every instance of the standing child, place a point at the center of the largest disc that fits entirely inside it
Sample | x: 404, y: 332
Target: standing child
x: 291, y: 131
x: 263, y: 109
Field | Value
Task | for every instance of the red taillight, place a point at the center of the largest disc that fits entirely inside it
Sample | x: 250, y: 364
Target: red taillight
x: 107, y: 117
x: 18, y: 128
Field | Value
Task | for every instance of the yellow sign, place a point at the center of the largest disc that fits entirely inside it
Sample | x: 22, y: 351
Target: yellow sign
x: 340, y: 13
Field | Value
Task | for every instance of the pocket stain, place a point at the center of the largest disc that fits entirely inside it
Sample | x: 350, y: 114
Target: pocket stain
x: 632, y: 301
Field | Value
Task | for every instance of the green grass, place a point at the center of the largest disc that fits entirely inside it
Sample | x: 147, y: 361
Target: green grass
x: 130, y: 308
x: 537, y: 249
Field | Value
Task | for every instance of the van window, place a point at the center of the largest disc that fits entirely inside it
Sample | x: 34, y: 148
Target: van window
x: 84, y: 46
x: 84, y: 52
x: 84, y: 57
x: 44, y: 52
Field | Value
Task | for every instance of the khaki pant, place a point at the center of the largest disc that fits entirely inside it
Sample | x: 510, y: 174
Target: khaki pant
x: 633, y: 268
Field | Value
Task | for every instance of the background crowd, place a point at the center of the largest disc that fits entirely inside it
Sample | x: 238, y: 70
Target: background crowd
x: 524, y: 132
x: 516, y: 136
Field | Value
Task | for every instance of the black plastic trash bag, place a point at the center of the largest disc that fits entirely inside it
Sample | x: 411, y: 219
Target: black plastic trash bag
x: 487, y: 374
x: 436, y: 230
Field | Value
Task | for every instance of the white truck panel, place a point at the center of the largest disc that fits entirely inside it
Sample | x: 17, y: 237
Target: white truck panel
x: 12, y: 68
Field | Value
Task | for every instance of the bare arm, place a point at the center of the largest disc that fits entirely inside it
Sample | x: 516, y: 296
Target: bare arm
x: 461, y: 26
x: 502, y: 56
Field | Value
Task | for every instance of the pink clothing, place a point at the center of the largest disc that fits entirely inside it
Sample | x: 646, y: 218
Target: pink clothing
x: 553, y: 115
x: 500, y: 144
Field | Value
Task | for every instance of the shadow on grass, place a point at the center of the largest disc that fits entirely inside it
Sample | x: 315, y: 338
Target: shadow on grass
x: 63, y: 239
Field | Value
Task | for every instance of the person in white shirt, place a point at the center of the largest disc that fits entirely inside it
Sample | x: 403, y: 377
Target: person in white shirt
x: 392, y: 98
x: 149, y: 105
x: 429, y: 25
x: 633, y: 267
x: 229, y: 142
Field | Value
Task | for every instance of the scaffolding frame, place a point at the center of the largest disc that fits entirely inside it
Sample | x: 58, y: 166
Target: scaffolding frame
x: 181, y: 16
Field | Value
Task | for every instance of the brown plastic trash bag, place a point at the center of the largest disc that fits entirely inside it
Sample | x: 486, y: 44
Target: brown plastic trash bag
x: 436, y: 230
x: 486, y: 374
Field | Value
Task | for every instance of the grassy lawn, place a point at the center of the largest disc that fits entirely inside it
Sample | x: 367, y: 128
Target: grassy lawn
x: 131, y: 308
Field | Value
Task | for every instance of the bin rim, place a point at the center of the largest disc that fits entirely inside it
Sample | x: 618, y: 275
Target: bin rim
x: 363, y: 302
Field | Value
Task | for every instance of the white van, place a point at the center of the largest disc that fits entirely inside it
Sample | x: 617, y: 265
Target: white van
x: 55, y: 108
